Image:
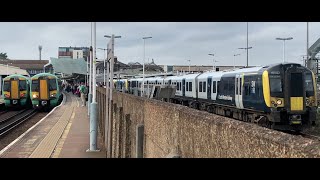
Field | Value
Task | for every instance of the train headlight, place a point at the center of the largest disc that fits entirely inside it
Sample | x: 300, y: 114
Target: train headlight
x: 22, y: 95
x: 307, y: 101
x: 7, y: 95
x: 279, y: 102
x: 53, y: 95
x: 35, y: 96
x: 272, y: 102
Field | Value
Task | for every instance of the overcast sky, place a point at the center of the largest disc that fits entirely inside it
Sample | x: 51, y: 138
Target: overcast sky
x: 172, y: 43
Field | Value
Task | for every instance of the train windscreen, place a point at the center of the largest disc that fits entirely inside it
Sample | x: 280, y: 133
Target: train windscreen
x: 6, y: 86
x: 275, y: 84
x: 309, y: 85
x: 52, y: 84
x: 22, y: 85
x: 35, y: 85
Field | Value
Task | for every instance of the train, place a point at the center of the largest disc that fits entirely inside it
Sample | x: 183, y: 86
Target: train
x: 278, y: 96
x: 16, y: 91
x: 45, y: 91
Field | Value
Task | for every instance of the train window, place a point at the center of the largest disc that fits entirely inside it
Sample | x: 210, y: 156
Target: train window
x: 35, y: 85
x: 237, y: 86
x: 231, y: 87
x: 190, y: 86
x: 200, y: 86
x: 204, y: 86
x: 275, y: 85
x: 218, y: 86
x: 309, y: 85
x: 52, y: 84
x: 6, y: 86
x: 187, y: 87
x: 22, y: 85
x: 214, y: 86
x: 240, y: 87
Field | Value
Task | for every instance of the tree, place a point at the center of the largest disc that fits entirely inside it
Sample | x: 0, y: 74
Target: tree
x: 3, y: 56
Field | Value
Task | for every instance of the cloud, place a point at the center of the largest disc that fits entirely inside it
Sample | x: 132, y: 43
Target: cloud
x: 171, y: 43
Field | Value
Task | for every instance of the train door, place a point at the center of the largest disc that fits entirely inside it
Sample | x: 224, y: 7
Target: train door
x: 44, y: 94
x: 209, y: 87
x: 14, y: 89
x: 238, y: 91
x: 183, y: 87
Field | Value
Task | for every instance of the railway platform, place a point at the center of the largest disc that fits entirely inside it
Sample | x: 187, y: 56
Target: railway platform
x: 63, y: 133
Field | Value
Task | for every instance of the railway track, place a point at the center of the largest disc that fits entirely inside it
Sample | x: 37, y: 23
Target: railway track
x: 310, y: 136
x: 10, y: 120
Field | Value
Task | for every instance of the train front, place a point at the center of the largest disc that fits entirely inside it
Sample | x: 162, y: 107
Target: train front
x: 44, y: 92
x: 15, y: 91
x: 292, y: 99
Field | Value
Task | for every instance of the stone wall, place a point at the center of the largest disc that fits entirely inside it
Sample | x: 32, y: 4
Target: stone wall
x: 174, y: 129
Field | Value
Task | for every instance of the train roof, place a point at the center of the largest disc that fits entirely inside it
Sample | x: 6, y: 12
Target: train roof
x: 16, y: 75
x: 44, y: 74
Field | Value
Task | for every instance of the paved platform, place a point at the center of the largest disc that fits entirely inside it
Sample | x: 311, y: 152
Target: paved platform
x: 63, y: 133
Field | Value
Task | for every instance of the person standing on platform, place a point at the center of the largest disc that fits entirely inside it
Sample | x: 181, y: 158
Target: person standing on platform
x: 83, y: 93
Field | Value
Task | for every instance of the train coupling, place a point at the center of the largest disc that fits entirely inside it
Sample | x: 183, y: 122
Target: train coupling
x: 44, y: 103
x: 295, y: 119
x: 14, y: 101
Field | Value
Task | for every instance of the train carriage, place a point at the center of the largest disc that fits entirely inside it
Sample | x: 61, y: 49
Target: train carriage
x: 277, y: 96
x: 16, y: 91
x: 45, y: 91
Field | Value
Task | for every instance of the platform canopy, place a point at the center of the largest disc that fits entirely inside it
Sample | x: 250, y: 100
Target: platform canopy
x: 9, y: 70
x: 69, y: 65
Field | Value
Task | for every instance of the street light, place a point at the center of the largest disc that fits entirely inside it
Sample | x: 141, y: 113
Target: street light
x: 189, y: 65
x: 234, y: 60
x: 144, y: 54
x: 247, y: 54
x: 104, y: 65
x: 109, y: 93
x: 214, y: 62
x: 284, y: 46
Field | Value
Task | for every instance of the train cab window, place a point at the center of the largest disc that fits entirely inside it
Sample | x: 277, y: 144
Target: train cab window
x: 22, y: 85
x: 190, y: 86
x: 200, y: 87
x: 218, y: 86
x: 214, y: 86
x: 35, y: 85
x: 52, y: 84
x: 275, y: 85
x: 309, y: 85
x: 204, y: 86
x: 6, y: 86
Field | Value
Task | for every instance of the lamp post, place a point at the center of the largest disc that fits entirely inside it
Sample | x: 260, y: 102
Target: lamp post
x: 247, y: 48
x: 109, y: 93
x: 144, y: 54
x: 214, y: 62
x: 307, y: 43
x: 284, y: 46
x: 189, y: 65
x: 93, y: 106
x: 234, y: 60
x: 104, y: 65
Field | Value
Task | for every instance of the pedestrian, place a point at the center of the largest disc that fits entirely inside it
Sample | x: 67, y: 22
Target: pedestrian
x: 83, y: 93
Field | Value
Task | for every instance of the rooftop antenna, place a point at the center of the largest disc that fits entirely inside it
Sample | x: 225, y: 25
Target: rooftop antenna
x: 40, y: 48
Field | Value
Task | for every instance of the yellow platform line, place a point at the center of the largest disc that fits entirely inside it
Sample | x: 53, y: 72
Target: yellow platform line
x: 47, y: 145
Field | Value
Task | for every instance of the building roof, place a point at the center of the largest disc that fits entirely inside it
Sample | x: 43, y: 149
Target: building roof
x: 25, y: 64
x: 9, y: 70
x: 69, y: 65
